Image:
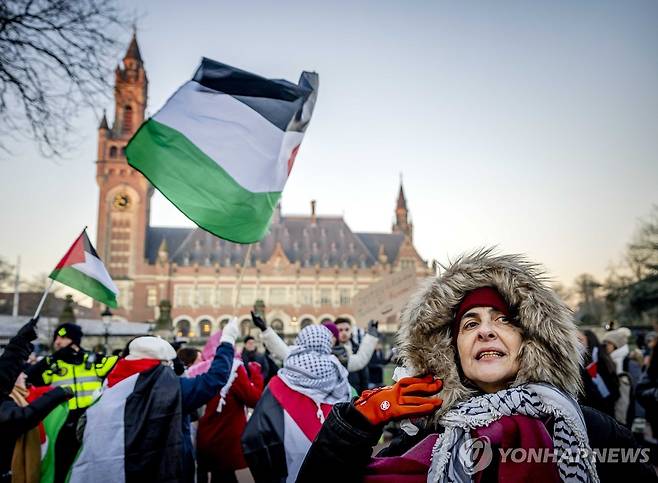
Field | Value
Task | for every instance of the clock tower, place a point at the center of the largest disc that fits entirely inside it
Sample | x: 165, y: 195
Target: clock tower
x: 125, y: 195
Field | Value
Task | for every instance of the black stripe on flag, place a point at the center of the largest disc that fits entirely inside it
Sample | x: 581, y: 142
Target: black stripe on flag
x: 282, y: 103
x: 89, y: 248
x: 153, y: 436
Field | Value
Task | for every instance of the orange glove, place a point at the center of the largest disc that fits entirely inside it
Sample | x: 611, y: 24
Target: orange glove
x: 407, y: 398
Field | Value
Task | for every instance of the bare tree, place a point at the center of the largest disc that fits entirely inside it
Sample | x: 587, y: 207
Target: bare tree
x: 642, y: 256
x: 39, y: 282
x: 55, y: 57
x: 6, y: 272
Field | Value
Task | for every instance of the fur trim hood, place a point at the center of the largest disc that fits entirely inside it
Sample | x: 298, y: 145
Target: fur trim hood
x: 550, y: 351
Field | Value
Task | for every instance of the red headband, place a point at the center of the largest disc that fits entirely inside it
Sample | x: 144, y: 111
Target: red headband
x: 481, y: 297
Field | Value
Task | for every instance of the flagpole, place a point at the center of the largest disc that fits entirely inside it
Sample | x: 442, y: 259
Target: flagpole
x: 43, y: 299
x: 237, y: 293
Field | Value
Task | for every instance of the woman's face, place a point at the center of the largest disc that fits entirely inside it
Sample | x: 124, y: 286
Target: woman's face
x: 488, y: 345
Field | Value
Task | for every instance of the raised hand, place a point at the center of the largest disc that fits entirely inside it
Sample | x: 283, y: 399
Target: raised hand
x: 231, y: 332
x: 409, y: 397
x: 29, y: 330
x: 258, y: 321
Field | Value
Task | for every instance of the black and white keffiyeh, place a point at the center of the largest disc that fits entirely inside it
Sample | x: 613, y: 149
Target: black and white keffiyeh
x: 311, y: 369
x: 534, y: 400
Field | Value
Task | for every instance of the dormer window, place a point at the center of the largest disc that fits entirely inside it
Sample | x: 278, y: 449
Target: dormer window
x: 113, y: 152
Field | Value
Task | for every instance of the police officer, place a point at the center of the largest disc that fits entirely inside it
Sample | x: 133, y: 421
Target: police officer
x: 83, y: 372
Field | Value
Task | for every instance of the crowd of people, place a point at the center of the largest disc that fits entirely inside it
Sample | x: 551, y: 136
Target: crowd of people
x: 486, y: 352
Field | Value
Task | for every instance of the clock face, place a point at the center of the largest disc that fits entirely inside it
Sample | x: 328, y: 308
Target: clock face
x: 121, y: 201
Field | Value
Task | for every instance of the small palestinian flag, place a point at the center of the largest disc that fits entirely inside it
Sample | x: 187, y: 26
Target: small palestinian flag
x: 83, y: 270
x: 223, y: 145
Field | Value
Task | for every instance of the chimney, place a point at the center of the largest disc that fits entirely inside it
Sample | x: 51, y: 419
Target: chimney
x: 314, y: 217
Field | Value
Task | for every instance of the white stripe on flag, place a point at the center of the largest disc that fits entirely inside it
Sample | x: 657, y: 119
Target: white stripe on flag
x: 94, y: 268
x: 245, y: 144
x: 296, y: 446
x: 102, y: 456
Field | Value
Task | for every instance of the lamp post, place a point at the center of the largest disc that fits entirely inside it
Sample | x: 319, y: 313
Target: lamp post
x: 106, y: 317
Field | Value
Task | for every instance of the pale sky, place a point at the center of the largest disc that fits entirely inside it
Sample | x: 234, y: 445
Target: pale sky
x: 529, y: 125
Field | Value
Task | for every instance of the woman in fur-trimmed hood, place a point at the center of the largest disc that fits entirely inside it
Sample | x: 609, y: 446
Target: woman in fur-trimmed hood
x: 490, y: 363
x: 549, y: 332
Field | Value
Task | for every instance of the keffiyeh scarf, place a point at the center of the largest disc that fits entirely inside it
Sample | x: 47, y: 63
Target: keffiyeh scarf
x: 533, y: 400
x: 312, y: 370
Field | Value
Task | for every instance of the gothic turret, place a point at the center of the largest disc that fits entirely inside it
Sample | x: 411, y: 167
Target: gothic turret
x: 402, y: 219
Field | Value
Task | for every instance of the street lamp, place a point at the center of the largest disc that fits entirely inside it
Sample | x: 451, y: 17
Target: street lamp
x: 106, y: 317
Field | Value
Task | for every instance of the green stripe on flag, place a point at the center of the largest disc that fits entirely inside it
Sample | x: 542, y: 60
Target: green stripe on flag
x: 51, y: 425
x: 198, y: 186
x: 85, y: 284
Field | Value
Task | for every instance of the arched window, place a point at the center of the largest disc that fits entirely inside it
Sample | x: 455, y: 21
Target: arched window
x: 305, y: 323
x: 326, y: 321
x: 222, y: 323
x: 113, y: 152
x: 205, y: 327
x: 245, y: 327
x: 277, y: 326
x: 183, y: 328
x: 127, y: 125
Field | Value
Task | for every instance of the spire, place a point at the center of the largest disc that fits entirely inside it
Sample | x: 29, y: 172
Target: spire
x: 103, y: 124
x: 133, y: 49
x: 402, y: 220
x: 402, y: 201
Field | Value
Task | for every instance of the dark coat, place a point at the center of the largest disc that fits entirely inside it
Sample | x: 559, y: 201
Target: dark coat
x: 347, y: 438
x: 262, y: 441
x: 16, y: 420
x: 593, y: 398
x: 647, y: 395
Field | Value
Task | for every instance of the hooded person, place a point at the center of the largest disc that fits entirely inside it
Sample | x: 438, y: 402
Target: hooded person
x: 294, y: 406
x: 139, y: 430
x: 501, y: 350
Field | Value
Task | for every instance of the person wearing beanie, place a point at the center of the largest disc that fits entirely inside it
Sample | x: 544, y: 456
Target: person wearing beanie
x: 629, y: 373
x: 333, y: 328
x: 83, y: 373
x: 149, y: 406
x: 490, y: 363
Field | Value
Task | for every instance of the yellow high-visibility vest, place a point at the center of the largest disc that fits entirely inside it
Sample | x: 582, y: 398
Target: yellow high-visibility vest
x: 85, y: 379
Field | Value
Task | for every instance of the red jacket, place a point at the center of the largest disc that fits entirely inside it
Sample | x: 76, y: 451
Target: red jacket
x: 218, y: 436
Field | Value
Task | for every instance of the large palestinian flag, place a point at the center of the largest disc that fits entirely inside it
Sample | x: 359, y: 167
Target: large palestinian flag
x: 133, y: 432
x: 223, y: 145
x: 83, y: 270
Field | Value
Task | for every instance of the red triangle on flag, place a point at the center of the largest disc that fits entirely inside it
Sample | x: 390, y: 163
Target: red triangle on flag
x: 76, y: 254
x: 291, y: 159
